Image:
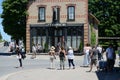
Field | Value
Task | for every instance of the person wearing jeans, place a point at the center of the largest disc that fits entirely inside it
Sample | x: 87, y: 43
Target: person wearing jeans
x: 70, y: 56
x: 19, y: 56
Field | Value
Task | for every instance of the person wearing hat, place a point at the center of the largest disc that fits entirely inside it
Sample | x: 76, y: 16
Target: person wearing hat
x: 70, y: 55
x: 52, y: 57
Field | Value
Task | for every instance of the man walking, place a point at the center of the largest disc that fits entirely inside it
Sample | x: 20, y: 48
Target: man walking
x: 94, y: 58
x: 111, y: 56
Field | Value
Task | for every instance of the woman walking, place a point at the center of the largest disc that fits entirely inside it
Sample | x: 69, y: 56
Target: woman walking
x: 70, y: 56
x: 86, y: 61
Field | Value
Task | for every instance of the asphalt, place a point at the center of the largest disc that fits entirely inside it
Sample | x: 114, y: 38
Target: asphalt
x: 79, y: 73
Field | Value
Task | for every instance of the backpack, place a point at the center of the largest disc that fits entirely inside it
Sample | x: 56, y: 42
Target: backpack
x: 61, y: 54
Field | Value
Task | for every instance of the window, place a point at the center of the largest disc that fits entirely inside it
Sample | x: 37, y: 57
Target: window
x: 42, y: 14
x: 56, y: 14
x: 71, y: 13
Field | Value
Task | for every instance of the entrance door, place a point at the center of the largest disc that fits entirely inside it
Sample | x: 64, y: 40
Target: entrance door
x: 56, y: 36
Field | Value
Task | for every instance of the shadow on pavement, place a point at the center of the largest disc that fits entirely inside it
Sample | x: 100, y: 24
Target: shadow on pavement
x: 113, y: 75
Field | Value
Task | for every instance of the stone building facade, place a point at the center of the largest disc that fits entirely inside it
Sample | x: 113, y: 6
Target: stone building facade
x: 57, y: 22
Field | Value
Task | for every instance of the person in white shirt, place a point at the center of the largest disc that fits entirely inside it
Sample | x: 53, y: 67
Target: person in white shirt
x: 70, y: 56
x: 34, y: 51
x: 87, y: 50
x: 100, y: 56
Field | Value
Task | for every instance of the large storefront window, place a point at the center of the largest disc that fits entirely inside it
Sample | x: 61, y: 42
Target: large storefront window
x: 52, y: 36
x: 74, y: 38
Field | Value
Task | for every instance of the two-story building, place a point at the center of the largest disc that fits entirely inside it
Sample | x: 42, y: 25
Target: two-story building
x: 53, y: 22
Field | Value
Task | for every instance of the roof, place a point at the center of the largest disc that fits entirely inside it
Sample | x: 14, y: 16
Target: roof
x: 92, y: 16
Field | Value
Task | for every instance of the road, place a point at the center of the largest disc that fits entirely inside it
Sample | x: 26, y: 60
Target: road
x: 4, y: 49
x: 9, y: 63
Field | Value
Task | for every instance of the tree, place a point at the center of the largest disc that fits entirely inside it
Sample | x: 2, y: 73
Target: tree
x: 108, y: 12
x: 14, y: 18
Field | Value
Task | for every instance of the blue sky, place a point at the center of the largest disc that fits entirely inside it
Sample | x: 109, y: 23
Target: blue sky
x: 4, y: 35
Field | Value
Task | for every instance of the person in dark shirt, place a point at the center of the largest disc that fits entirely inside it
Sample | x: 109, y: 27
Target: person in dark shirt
x: 62, y: 56
x: 19, y: 56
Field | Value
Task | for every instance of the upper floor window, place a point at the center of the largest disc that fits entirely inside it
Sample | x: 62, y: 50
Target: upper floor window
x: 56, y: 14
x: 71, y: 13
x: 41, y: 14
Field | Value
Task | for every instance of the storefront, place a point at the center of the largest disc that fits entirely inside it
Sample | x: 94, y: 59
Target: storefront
x: 65, y: 35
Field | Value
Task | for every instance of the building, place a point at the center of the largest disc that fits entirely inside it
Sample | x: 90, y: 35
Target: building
x: 53, y: 22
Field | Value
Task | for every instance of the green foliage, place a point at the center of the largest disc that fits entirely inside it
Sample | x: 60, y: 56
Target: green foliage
x: 46, y: 47
x: 108, y: 12
x: 81, y: 46
x: 93, y: 36
x: 14, y: 18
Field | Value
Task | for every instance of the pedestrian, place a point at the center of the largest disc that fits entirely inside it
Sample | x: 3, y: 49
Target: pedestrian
x: 62, y: 56
x: 100, y: 55
x: 86, y: 60
x: 70, y: 55
x: 34, y: 51
x: 119, y: 52
x: 39, y: 48
x: 110, y: 56
x: 19, y: 56
x: 52, y: 57
x: 94, y: 58
x: 57, y: 49
x: 119, y: 55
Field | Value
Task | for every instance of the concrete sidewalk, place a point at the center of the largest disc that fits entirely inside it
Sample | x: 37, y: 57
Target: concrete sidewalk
x: 56, y: 74
x: 79, y: 73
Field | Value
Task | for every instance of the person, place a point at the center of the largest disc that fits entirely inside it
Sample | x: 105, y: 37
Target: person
x: 23, y: 53
x: 110, y: 56
x: 119, y: 55
x: 57, y: 49
x: 100, y: 56
x: 52, y: 57
x: 119, y: 52
x: 34, y: 51
x: 39, y: 48
x: 19, y: 56
x: 62, y: 56
x: 94, y: 58
x: 86, y: 60
x: 70, y: 55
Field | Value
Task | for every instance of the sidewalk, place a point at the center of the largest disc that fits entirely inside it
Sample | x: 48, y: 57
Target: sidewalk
x: 79, y: 73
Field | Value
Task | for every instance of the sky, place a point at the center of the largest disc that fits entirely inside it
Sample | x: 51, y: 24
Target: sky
x: 4, y: 35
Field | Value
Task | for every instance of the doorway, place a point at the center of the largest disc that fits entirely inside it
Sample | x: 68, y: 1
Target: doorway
x: 56, y: 36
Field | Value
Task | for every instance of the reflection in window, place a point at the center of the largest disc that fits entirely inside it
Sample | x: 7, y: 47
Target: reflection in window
x: 42, y: 14
x: 74, y: 41
x: 71, y: 13
x: 68, y: 41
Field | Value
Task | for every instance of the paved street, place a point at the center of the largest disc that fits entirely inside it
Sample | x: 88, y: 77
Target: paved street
x: 38, y: 69
x: 3, y: 49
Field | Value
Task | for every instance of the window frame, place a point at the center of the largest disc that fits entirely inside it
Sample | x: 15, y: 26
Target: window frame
x: 72, y: 13
x: 43, y: 14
